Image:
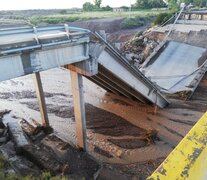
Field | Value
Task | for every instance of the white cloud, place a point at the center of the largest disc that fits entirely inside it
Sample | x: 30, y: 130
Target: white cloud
x: 56, y: 4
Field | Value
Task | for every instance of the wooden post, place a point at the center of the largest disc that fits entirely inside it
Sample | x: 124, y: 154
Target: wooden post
x: 41, y: 99
x: 79, y: 109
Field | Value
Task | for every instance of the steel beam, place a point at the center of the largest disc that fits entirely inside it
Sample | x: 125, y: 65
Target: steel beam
x: 79, y: 109
x: 133, y: 81
x: 140, y: 86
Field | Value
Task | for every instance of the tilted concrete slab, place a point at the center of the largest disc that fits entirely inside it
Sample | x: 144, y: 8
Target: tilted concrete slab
x: 115, y: 74
x: 177, y: 67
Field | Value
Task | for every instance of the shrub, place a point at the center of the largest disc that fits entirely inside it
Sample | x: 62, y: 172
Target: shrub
x: 134, y: 22
x: 163, y: 17
x: 53, y: 19
x: 63, y: 11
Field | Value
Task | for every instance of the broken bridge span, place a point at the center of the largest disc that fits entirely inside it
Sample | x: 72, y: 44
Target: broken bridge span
x: 32, y: 50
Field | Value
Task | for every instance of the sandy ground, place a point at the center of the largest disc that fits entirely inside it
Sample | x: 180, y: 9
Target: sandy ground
x: 117, y: 128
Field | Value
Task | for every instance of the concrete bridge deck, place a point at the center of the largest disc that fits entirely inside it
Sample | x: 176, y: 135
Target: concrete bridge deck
x: 32, y: 50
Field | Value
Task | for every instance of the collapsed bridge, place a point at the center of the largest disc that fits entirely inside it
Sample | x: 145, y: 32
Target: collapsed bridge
x: 32, y: 50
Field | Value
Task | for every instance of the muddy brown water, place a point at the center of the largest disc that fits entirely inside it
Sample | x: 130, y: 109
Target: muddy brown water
x: 117, y: 128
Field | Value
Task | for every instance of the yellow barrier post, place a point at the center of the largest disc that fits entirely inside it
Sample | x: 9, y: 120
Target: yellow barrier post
x: 189, y: 159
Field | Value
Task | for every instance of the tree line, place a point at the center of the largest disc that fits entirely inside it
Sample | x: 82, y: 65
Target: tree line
x: 197, y: 3
x: 144, y: 4
x: 96, y: 6
x: 148, y: 4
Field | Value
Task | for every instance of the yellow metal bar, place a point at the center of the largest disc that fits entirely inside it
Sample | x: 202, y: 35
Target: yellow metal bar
x: 189, y: 159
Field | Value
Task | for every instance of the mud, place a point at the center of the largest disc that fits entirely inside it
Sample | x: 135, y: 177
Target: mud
x: 18, y: 164
x: 136, y: 171
x: 106, y: 123
x: 127, y: 137
x: 77, y: 162
x: 102, y: 152
x: 60, y: 111
x: 26, y: 95
x: 129, y: 143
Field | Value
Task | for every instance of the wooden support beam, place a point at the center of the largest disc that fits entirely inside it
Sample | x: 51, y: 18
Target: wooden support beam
x: 41, y: 99
x: 79, y: 109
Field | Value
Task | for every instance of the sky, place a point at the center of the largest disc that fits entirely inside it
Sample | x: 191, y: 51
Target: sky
x: 56, y: 4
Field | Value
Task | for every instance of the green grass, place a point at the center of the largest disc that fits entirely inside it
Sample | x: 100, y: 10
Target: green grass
x: 12, y: 176
x: 64, y: 18
x: 134, y: 22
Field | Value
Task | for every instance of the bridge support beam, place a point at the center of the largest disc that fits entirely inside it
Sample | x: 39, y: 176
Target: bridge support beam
x: 79, y: 109
x: 41, y: 99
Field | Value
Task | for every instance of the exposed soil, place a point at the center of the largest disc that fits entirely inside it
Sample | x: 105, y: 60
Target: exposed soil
x: 118, y: 129
x: 25, y: 95
x: 109, y: 124
x: 61, y: 111
x: 136, y: 171
x: 112, y: 27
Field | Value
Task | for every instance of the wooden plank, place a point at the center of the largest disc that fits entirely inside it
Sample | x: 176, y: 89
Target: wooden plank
x: 79, y: 109
x: 41, y: 99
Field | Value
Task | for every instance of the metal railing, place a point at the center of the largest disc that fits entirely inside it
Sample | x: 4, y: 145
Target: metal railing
x: 13, y: 40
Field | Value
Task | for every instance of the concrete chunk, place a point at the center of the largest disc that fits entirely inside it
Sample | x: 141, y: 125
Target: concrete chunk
x: 17, y: 135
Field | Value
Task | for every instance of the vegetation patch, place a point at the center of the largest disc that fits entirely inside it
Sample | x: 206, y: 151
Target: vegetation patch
x: 81, y: 16
x: 11, y: 176
x: 134, y: 22
x: 54, y: 19
x: 163, y: 18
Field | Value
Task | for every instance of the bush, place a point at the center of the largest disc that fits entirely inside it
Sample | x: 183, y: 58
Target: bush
x: 63, y: 11
x: 107, y: 8
x: 35, y: 20
x: 87, y: 6
x: 162, y: 18
x: 134, y: 22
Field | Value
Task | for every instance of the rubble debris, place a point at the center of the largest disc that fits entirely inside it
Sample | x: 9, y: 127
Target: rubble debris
x: 30, y: 129
x: 4, y: 136
x: 79, y: 162
x: 17, y: 164
x: 44, y: 158
x: 4, y: 112
x: 183, y: 95
x: 17, y: 135
x: 139, y: 48
x: 35, y: 130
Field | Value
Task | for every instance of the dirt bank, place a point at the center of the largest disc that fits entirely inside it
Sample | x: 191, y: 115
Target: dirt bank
x: 113, y: 28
